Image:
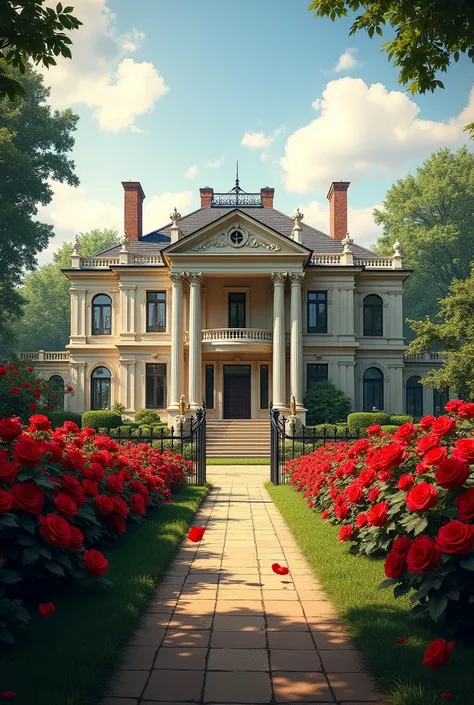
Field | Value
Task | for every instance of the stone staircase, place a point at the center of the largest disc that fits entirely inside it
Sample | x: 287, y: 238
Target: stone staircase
x: 238, y: 438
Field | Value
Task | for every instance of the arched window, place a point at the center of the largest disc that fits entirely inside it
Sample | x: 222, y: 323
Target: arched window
x: 414, y: 397
x: 101, y: 315
x: 100, y: 388
x: 373, y: 389
x: 440, y: 399
x: 57, y: 385
x: 373, y: 315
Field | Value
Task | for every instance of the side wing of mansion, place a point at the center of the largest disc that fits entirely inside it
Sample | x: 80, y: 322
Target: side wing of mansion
x: 237, y: 305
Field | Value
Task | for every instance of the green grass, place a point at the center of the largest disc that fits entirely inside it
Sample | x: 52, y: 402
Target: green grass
x: 374, y: 618
x: 68, y: 658
x: 238, y: 461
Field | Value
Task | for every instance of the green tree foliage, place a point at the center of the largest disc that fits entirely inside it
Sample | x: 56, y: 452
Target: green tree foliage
x: 326, y: 404
x: 453, y: 332
x: 34, y: 147
x: 47, y: 311
x: 28, y: 30
x: 431, y: 214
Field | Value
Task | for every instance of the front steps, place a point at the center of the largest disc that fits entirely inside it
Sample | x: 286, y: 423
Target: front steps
x: 238, y: 438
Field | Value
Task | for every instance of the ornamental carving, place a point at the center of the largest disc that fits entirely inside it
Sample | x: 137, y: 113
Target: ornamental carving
x: 296, y: 277
x: 177, y: 277
x: 278, y: 277
x: 195, y: 278
x: 236, y: 237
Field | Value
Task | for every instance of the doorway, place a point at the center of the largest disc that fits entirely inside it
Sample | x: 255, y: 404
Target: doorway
x: 237, y: 392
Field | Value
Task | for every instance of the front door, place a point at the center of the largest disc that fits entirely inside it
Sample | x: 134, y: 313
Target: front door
x: 237, y: 392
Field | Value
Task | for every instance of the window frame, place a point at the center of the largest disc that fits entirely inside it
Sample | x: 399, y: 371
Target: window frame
x: 242, y: 308
x: 60, y: 389
x: 321, y: 326
x: 371, y: 331
x: 156, y: 376
x: 262, y: 391
x: 371, y: 383
x: 322, y: 378
x: 100, y: 383
x: 155, y: 304
x: 414, y: 393
x: 207, y: 389
x: 101, y: 330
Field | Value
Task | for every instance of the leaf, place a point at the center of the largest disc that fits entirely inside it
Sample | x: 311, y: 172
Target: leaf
x: 9, y: 576
x: 436, y: 607
x: 54, y: 568
x: 31, y: 555
x: 387, y: 584
x: 6, y: 636
x: 402, y: 589
x: 28, y: 523
x: 8, y: 520
x: 467, y: 563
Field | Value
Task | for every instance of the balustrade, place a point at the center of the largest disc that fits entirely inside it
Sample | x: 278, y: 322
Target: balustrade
x: 230, y: 334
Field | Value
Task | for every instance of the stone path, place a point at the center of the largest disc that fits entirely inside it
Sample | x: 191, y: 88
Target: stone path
x: 225, y: 629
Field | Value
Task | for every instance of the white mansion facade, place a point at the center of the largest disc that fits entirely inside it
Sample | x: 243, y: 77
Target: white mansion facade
x: 237, y: 305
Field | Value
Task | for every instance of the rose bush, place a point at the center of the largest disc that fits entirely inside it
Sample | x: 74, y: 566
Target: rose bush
x: 22, y: 392
x: 63, y: 494
x: 410, y: 497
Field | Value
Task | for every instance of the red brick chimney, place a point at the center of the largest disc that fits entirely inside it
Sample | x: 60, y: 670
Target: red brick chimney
x: 337, y: 197
x: 133, y: 198
x: 266, y: 195
x: 206, y: 196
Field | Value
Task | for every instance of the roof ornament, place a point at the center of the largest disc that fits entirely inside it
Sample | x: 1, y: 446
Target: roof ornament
x: 125, y: 242
x: 175, y: 217
x: 237, y: 186
x: 347, y: 244
x: 75, y: 248
x: 296, y: 232
x: 298, y: 217
x: 396, y: 248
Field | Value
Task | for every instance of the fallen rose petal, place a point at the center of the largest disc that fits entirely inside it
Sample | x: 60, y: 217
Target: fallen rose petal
x: 46, y: 609
x: 279, y: 569
x: 196, y: 533
x: 9, y: 695
x: 446, y: 696
x: 400, y: 640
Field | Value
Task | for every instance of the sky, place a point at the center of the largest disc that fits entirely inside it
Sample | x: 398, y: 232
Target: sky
x: 172, y: 93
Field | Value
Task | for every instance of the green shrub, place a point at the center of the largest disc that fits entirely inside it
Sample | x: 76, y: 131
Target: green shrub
x: 363, y: 419
x: 400, y: 419
x: 325, y: 403
x: 147, y: 417
x: 118, y: 407
x: 57, y: 418
x: 390, y: 428
x: 101, y: 419
x: 338, y: 430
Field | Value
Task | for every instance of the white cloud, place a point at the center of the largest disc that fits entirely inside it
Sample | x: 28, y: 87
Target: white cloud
x: 346, y: 61
x: 364, y: 131
x: 360, y: 221
x: 100, y: 75
x: 256, y: 140
x: 216, y: 163
x: 157, y: 209
x: 191, y: 172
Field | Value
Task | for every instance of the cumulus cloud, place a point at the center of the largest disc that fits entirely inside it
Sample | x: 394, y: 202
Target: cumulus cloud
x: 360, y: 221
x: 364, y: 131
x: 157, y: 209
x: 216, y: 163
x: 346, y: 61
x: 100, y: 75
x: 191, y: 172
x: 256, y: 140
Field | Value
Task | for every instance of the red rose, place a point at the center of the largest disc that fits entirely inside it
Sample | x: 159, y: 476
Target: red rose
x: 117, y: 523
x: 74, y: 460
x: 367, y: 477
x: 90, y: 488
x: 29, y: 369
x: 354, y: 493
x: 38, y: 422
x: 406, y: 482
x: 422, y: 497
x: 385, y: 475
x: 104, y: 504
x: 464, y: 450
x: 423, y: 555
x: 15, y: 390
x: 361, y: 520
x: 65, y: 504
x: 114, y: 484
x: 426, y: 422
x: 10, y: 429
x: 465, y: 504
x: 69, y: 389
x: 8, y: 471
x: 26, y: 452
x: 120, y: 507
x: 2, y: 371
x: 437, y: 654
x: 434, y: 456
x: 46, y: 609
x: 373, y: 430
x: 345, y: 533
x: 138, y: 504
x: 377, y: 515
x: 36, y: 394
x: 373, y: 494
x: 453, y: 405
x: 32, y: 407
x: 402, y: 545
x: 466, y: 411
x: 395, y: 565
x: 452, y: 473
x: 427, y: 443
x: 325, y: 514
x: 456, y: 537
x: 443, y: 425
x: 400, y: 640
x: 26, y: 385
x: 10, y: 367
x: 6, y: 501
x: 95, y: 471
x: 28, y: 496
x: 9, y: 695
x: 77, y: 539
x: 391, y: 456
x: 55, y: 529
x: 446, y: 696
x: 342, y: 510
x: 95, y: 562
x: 71, y: 427
x: 405, y: 431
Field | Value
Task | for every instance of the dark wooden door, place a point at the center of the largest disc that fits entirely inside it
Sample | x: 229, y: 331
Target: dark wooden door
x: 237, y: 392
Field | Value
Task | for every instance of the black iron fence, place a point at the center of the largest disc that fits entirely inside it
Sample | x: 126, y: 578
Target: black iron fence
x: 287, y: 442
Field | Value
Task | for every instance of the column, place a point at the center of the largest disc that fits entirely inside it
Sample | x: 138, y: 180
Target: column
x: 78, y: 315
x: 127, y: 306
x: 278, y: 279
x: 296, y: 341
x: 78, y: 381
x: 394, y: 399
x: 347, y: 379
x: 346, y: 313
x: 127, y: 384
x: 195, y: 356
x: 176, y: 339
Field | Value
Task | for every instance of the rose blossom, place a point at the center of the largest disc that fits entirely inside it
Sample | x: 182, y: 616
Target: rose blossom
x: 426, y: 422
x: 38, y: 422
x: 28, y: 496
x: 55, y: 529
x: 464, y: 450
x: 8, y: 471
x: 367, y: 477
x: 402, y: 545
x: 373, y: 494
x: 26, y: 452
x: 422, y: 555
x: 466, y: 411
x: 377, y: 515
x: 406, y: 482
x: 373, y: 430
x: 10, y: 429
x: 65, y: 504
x: 437, y: 654
x: 361, y: 520
x: 117, y: 523
x: 6, y: 501
x: 427, y: 443
x: 354, y: 493
x: 345, y: 533
x: 465, y: 504
x: 114, y: 484
x: 95, y: 562
x: 422, y: 497
x: 443, y: 425
x: 434, y: 456
x: 395, y: 565
x: 452, y: 473
x: 456, y: 537
x: 104, y: 504
x: 453, y: 405
x: 46, y: 609
x: 405, y: 431
x: 77, y: 539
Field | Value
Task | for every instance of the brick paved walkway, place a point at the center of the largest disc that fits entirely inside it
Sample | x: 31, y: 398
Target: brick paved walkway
x: 225, y: 629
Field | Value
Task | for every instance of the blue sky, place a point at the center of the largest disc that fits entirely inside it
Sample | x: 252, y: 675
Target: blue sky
x: 165, y: 88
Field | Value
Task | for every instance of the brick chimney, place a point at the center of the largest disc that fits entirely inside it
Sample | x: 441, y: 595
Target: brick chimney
x: 337, y: 197
x: 133, y: 198
x: 206, y: 196
x: 266, y: 195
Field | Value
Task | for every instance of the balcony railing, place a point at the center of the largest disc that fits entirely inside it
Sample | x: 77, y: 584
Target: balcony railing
x: 368, y: 262
x: 424, y: 357
x: 99, y: 262
x: 44, y: 356
x: 227, y: 335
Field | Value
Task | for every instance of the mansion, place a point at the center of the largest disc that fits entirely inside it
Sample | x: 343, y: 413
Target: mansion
x: 238, y: 305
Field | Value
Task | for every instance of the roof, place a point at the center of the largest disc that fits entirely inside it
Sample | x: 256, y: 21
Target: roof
x: 313, y: 239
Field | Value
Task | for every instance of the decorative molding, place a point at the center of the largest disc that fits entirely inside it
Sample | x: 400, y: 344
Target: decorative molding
x: 223, y: 240
x: 177, y: 277
x: 195, y: 278
x: 278, y: 277
x: 296, y: 278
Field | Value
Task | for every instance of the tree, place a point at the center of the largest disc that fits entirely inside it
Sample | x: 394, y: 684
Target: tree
x: 454, y: 333
x: 431, y: 215
x: 30, y: 31
x: 34, y: 145
x: 326, y: 404
x: 46, y: 318
x: 429, y: 34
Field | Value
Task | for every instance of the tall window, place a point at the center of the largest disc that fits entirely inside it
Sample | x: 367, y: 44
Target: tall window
x: 101, y: 315
x: 209, y: 386
x: 414, y: 397
x: 373, y: 315
x: 264, y: 386
x: 373, y: 389
x: 57, y: 384
x: 100, y: 388
x: 317, y: 312
x: 236, y: 310
x: 440, y: 399
x: 155, y: 386
x: 155, y: 311
x: 315, y: 374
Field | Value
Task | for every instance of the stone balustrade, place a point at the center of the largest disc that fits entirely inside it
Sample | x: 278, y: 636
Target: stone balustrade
x: 44, y: 356
x: 232, y: 334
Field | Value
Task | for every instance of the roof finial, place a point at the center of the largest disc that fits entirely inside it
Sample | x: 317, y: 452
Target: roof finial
x: 237, y: 175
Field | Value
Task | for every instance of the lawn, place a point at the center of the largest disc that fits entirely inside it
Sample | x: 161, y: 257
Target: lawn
x: 67, y: 659
x: 238, y: 461
x: 374, y: 618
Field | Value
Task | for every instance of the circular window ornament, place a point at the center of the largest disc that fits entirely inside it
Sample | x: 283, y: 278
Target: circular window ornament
x: 237, y: 238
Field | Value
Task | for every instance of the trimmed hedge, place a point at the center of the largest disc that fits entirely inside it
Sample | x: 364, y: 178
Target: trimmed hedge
x: 318, y: 430
x: 147, y: 417
x: 400, y: 419
x: 364, y: 419
x: 101, y: 419
x: 390, y: 428
x: 57, y: 418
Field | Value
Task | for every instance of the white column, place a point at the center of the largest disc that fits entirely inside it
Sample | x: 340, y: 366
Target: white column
x: 176, y: 339
x: 78, y: 315
x: 127, y: 384
x: 279, y: 378
x: 127, y: 306
x: 296, y: 341
x: 195, y: 356
x: 78, y: 381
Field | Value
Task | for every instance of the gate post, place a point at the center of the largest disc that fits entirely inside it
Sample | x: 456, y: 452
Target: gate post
x: 274, y: 447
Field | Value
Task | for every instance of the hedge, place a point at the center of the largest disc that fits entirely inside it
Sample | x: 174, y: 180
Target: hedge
x: 101, y: 419
x: 362, y: 420
x: 390, y: 428
x: 400, y: 419
x: 340, y: 430
x: 57, y: 418
x: 147, y: 417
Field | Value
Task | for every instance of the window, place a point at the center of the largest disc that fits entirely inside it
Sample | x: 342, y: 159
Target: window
x: 100, y: 388
x: 57, y: 385
x: 373, y: 389
x: 440, y: 399
x: 264, y: 386
x: 414, y: 397
x: 236, y: 310
x: 101, y: 315
x: 236, y: 237
x: 317, y: 311
x: 155, y: 386
x: 155, y: 311
x: 209, y: 386
x: 315, y: 374
x: 373, y: 315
